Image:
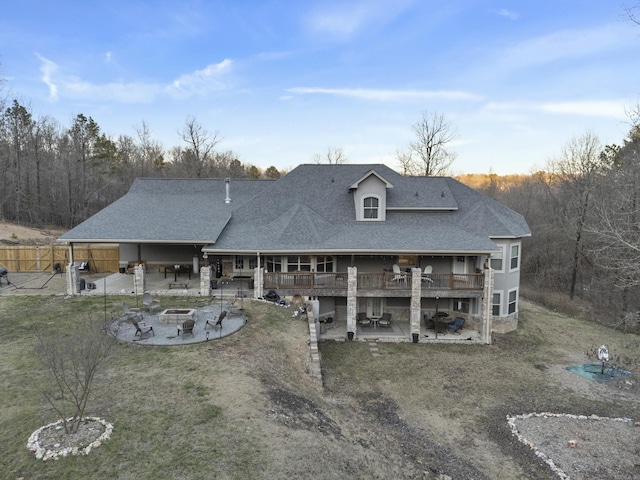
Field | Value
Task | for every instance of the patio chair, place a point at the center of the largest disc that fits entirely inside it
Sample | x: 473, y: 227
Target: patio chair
x: 426, y: 276
x: 428, y: 322
x: 398, y: 275
x: 142, y: 328
x: 131, y: 313
x: 152, y: 306
x: 186, y: 328
x: 363, y: 320
x: 456, y: 326
x: 217, y: 322
x: 385, y: 320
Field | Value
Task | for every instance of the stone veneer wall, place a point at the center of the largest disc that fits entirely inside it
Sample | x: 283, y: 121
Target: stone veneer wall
x: 205, y: 281
x: 315, y: 369
x: 505, y: 324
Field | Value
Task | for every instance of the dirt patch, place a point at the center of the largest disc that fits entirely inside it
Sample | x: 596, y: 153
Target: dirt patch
x: 12, y: 234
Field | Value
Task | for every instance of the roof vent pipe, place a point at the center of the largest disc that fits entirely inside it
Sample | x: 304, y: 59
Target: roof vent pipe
x: 227, y: 198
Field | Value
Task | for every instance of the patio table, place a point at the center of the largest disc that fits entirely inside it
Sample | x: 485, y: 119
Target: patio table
x: 177, y: 271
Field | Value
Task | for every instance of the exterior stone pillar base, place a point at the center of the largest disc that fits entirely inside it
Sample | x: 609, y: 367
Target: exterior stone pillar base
x: 73, y: 280
x: 139, y: 280
x: 258, y: 282
x: 205, y: 281
x: 352, y: 299
x: 416, y: 300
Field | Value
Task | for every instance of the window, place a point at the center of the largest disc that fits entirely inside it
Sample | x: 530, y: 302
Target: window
x: 298, y: 263
x: 253, y: 263
x: 324, y: 263
x: 239, y: 262
x: 513, y: 301
x: 371, y: 206
x: 496, y: 260
x: 497, y: 300
x: 273, y: 264
x: 515, y: 257
x: 461, y: 305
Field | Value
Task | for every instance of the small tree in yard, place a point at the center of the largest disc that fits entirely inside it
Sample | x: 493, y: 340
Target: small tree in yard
x: 72, y: 360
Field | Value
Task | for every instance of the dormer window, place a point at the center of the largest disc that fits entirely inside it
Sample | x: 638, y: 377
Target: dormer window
x: 371, y: 208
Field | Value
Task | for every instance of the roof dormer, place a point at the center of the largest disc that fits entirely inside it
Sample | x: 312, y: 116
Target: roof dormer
x: 370, y: 197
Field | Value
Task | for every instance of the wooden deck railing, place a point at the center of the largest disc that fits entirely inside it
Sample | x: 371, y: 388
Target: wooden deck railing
x: 371, y: 281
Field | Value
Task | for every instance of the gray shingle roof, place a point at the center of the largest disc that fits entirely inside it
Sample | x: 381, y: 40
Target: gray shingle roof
x: 167, y: 211
x: 309, y: 209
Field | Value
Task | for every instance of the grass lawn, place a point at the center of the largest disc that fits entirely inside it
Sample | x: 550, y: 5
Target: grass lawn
x: 243, y: 406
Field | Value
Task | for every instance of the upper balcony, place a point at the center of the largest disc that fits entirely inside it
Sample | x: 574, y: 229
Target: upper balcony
x: 375, y: 284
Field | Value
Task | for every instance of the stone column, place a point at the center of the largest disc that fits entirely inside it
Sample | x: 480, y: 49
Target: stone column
x: 416, y: 301
x: 486, y: 310
x: 73, y: 280
x: 352, y: 299
x: 258, y: 282
x: 205, y: 281
x: 139, y: 280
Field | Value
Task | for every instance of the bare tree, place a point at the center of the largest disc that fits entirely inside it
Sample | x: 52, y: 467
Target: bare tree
x: 335, y: 156
x: 576, y: 174
x: 198, y: 155
x: 73, y: 360
x: 429, y: 153
x: 632, y: 14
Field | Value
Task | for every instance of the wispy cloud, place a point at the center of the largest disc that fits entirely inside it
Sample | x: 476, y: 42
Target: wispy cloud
x: 48, y: 69
x: 202, y: 81
x: 198, y: 83
x: 565, y: 44
x: 343, y: 20
x: 600, y: 108
x: 387, y: 95
x: 511, y: 15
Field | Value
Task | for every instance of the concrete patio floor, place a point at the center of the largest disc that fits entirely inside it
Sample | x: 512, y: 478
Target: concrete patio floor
x: 168, y: 334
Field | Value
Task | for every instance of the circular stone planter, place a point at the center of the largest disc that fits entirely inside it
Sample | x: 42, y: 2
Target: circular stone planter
x: 92, y: 432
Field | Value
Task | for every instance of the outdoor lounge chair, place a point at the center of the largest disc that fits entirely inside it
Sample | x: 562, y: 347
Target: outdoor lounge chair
x: 142, y: 328
x: 426, y: 276
x: 385, y: 320
x: 398, y: 275
x: 363, y: 320
x: 152, y: 306
x: 131, y: 313
x: 186, y: 328
x: 215, y: 323
x: 456, y: 326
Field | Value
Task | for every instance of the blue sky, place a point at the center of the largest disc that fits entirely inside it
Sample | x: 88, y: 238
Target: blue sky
x: 280, y: 81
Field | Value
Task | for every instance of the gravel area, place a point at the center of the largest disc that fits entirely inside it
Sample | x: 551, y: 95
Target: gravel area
x: 581, y: 447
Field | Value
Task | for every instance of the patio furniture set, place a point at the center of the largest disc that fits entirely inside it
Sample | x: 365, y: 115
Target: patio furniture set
x: 144, y: 329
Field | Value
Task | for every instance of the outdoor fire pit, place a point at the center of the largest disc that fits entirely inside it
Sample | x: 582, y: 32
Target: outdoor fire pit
x: 174, y: 316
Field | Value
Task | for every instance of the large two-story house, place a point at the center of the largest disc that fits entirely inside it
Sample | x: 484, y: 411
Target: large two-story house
x: 356, y: 238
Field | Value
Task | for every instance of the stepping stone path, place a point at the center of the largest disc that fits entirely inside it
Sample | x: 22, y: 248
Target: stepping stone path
x: 373, y: 347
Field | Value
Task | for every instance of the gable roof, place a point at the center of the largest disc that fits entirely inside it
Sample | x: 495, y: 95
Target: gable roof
x: 433, y: 221
x: 311, y: 209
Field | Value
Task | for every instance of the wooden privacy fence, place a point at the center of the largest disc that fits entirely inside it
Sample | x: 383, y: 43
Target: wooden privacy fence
x: 42, y: 258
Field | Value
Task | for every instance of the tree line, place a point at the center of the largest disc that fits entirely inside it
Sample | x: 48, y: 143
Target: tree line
x: 584, y: 213
x: 57, y: 175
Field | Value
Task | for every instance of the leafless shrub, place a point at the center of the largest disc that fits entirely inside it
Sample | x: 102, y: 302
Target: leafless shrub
x: 72, y: 360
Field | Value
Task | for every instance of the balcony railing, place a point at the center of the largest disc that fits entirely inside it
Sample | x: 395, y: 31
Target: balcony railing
x: 304, y: 280
x: 371, y: 281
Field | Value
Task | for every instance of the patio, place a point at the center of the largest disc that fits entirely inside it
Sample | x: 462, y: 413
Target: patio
x: 399, y: 331
x: 167, y: 334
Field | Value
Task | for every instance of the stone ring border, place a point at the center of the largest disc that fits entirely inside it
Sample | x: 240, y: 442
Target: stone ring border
x: 46, y: 454
x: 511, y: 420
